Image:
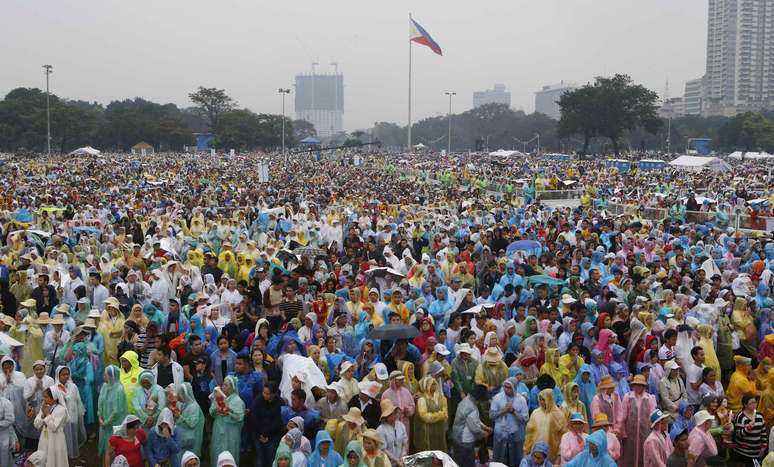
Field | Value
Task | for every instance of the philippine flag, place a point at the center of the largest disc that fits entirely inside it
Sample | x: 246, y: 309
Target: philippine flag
x: 418, y: 34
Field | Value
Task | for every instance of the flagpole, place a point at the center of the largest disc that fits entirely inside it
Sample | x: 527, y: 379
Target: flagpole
x: 409, y: 90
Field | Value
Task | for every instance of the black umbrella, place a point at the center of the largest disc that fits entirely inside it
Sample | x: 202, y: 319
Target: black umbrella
x: 393, y: 332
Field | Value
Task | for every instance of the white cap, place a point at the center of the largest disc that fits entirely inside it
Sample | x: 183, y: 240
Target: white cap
x: 702, y: 416
x: 441, y: 349
x: 671, y: 365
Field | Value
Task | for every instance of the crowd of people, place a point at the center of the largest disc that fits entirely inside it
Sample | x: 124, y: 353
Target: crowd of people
x: 180, y: 311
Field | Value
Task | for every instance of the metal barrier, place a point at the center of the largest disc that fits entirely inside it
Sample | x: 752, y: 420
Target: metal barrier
x: 697, y: 217
x: 558, y: 194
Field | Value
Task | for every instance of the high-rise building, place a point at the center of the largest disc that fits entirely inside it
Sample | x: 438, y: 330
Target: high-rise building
x: 546, y: 99
x: 740, y: 57
x: 498, y: 95
x: 672, y: 108
x: 319, y: 99
x: 693, y: 98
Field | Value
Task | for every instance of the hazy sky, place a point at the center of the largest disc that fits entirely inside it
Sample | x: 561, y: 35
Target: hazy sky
x: 161, y: 50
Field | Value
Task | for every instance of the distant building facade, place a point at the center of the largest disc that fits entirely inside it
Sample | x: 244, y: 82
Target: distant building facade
x: 672, y: 108
x: 693, y: 99
x: 319, y: 99
x: 740, y: 57
x: 546, y: 98
x: 497, y: 95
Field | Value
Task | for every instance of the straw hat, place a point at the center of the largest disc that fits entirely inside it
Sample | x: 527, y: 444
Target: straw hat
x: 56, y: 320
x: 606, y: 383
x: 396, y: 374
x: 7, y: 320
x: 354, y: 416
x: 29, y: 303
x: 464, y: 348
x: 94, y: 313
x: 345, y: 365
x: 600, y: 420
x: 372, y: 435
x: 568, y: 299
x: 90, y: 324
x: 640, y: 380
x: 492, y: 355
x: 63, y: 308
x: 387, y: 408
x: 43, y: 318
x: 381, y: 372
x: 113, y: 302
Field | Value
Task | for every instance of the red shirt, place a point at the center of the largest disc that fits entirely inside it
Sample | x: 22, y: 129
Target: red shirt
x: 130, y: 449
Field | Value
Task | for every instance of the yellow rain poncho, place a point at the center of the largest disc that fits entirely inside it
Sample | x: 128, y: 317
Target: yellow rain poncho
x: 111, y: 329
x: 130, y: 379
x: 705, y: 342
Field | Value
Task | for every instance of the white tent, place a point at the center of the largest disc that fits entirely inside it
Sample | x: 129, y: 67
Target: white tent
x: 505, y: 153
x: 88, y: 150
x: 697, y: 163
x: 738, y: 155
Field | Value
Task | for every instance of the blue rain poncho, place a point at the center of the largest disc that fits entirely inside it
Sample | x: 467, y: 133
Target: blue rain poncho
x: 227, y: 428
x: 111, y: 406
x: 586, y: 459
x: 160, y: 449
x: 333, y: 458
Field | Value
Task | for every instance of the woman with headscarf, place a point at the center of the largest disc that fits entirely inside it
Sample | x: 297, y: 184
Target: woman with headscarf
x: 127, y: 441
x: 292, y: 442
x: 51, y: 421
x: 588, y: 389
x: 684, y: 420
x: 509, y: 412
x: 190, y: 459
x: 572, y: 402
x: 426, y: 331
x: 604, y: 345
x: 228, y: 412
x: 130, y: 376
x: 284, y: 457
x: 189, y: 420
x: 111, y: 406
x: 82, y: 374
x: 551, y: 367
x: 33, y: 396
x: 75, y: 430
x: 546, y: 424
x: 148, y: 399
x: 164, y: 441
x: 431, y: 417
x: 528, y: 364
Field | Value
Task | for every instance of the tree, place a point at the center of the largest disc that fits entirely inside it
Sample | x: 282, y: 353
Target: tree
x: 610, y: 107
x: 213, y: 103
x: 301, y: 129
x: 748, y: 131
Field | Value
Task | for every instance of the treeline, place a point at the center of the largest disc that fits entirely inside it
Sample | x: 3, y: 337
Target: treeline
x: 122, y: 124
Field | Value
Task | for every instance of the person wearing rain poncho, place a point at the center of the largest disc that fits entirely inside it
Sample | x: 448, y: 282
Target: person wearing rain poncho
x: 163, y: 441
x: 284, y: 457
x: 595, y: 453
x: 127, y: 441
x: 431, y: 417
x: 33, y: 395
x: 82, y: 374
x: 547, y: 424
x: 148, y: 399
x: 633, y: 422
x: 111, y: 326
x: 510, y: 414
x: 130, y: 376
x: 228, y: 412
x: 75, y: 429
x: 189, y: 420
x: 51, y: 420
x: 353, y: 455
x: 324, y: 455
x: 111, y: 406
x: 32, y: 339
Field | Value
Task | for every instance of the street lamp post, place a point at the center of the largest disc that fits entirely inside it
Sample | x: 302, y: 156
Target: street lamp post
x: 537, y: 135
x: 448, y: 143
x: 48, y: 69
x: 283, y: 92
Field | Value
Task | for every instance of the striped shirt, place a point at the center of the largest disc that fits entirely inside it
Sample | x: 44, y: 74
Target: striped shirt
x: 750, y: 435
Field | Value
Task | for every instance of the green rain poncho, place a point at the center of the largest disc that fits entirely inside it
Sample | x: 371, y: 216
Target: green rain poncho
x: 148, y: 403
x: 356, y: 447
x: 111, y: 406
x: 283, y: 452
x: 226, y: 429
x: 190, y: 423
